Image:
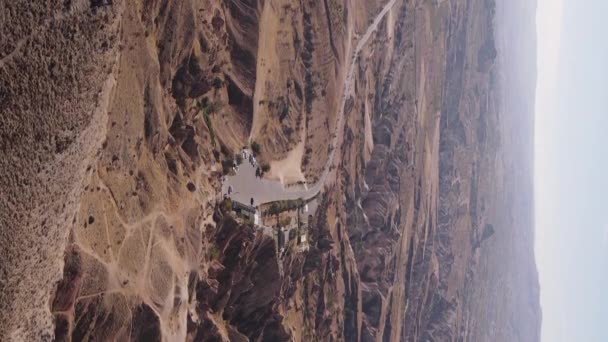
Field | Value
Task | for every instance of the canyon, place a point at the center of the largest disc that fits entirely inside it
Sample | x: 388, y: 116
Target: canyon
x: 410, y: 122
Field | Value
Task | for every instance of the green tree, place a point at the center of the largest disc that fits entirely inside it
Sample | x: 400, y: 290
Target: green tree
x: 256, y: 148
x: 214, y: 252
x: 226, y: 205
x: 218, y: 83
x: 286, y: 221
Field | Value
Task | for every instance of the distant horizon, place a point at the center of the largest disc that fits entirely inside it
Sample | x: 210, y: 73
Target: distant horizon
x: 571, y: 233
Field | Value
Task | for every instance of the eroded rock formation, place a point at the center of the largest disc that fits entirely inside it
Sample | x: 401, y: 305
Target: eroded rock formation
x: 118, y: 117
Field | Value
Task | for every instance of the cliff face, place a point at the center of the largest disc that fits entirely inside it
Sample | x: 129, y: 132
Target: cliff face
x: 56, y: 66
x: 119, y: 116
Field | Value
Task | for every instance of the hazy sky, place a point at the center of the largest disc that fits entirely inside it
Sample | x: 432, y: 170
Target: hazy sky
x: 571, y: 176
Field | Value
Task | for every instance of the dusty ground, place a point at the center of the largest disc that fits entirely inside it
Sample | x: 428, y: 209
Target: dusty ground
x: 288, y: 170
x: 117, y: 118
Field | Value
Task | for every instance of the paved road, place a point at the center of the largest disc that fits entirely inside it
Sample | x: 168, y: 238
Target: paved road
x: 247, y: 186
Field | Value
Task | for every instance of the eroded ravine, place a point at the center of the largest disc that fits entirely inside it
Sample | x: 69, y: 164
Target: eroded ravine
x: 247, y: 185
x: 394, y: 246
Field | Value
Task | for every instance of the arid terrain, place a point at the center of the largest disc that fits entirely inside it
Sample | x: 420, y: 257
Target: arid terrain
x: 407, y: 123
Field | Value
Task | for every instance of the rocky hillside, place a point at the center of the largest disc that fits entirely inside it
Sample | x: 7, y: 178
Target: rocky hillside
x: 120, y: 116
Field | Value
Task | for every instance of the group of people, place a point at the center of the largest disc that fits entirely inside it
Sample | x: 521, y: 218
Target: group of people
x: 259, y: 173
x: 249, y: 156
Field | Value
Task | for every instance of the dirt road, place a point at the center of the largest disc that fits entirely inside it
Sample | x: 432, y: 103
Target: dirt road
x: 247, y: 186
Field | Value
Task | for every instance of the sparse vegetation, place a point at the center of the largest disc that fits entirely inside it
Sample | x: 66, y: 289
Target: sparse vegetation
x: 217, y: 83
x: 227, y: 165
x: 286, y: 221
x: 208, y: 108
x: 278, y: 207
x: 259, y: 172
x: 307, y: 54
x: 214, y: 252
x: 225, y: 150
x: 211, y: 107
x: 283, y: 107
x: 226, y: 205
x: 210, y: 127
x: 307, y: 156
x: 337, y: 15
x: 256, y: 148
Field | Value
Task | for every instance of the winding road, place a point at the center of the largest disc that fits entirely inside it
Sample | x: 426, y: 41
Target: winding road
x: 247, y: 186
